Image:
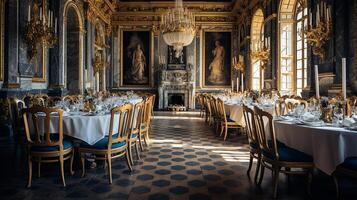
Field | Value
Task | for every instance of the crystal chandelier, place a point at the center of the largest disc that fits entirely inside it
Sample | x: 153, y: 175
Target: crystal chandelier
x: 178, y: 27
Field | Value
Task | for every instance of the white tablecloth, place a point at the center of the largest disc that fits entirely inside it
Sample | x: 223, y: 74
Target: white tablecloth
x: 329, y: 146
x: 89, y: 129
x: 235, y: 112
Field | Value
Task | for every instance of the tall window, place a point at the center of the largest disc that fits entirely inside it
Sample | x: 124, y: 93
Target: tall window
x: 256, y: 35
x: 293, y: 16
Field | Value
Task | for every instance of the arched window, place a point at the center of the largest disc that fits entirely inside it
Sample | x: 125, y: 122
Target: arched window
x: 256, y: 37
x: 293, y: 16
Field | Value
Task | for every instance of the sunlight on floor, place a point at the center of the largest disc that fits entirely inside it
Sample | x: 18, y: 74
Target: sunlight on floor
x: 177, y: 118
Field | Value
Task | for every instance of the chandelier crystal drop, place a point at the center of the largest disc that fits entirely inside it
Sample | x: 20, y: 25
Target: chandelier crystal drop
x: 178, y: 27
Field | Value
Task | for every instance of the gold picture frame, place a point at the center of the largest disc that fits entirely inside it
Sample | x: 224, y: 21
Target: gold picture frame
x: 228, y: 60
x: 41, y: 61
x: 149, y: 54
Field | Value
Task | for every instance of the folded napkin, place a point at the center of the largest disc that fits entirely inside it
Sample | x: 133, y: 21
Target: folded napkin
x: 349, y: 122
x: 308, y: 117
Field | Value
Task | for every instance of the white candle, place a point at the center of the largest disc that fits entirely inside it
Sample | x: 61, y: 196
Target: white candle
x: 40, y: 13
x: 29, y: 14
x: 317, y: 86
x: 237, y: 84
x: 344, y: 78
x: 242, y: 81
x: 317, y: 16
x: 56, y: 25
x: 232, y: 85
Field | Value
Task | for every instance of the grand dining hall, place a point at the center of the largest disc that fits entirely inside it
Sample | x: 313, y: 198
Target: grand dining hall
x: 178, y: 99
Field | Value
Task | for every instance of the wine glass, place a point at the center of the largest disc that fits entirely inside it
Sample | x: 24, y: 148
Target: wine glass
x: 338, y: 113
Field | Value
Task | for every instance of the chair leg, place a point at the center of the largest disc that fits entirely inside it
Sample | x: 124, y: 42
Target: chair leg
x: 30, y: 171
x: 261, y: 174
x: 109, y: 161
x: 309, y: 181
x: 137, y: 150
x: 276, y: 181
x: 71, y: 163
x: 83, y: 159
x: 335, y: 180
x: 257, y: 170
x: 128, y: 161
x: 222, y: 129
x: 225, y: 133
x: 62, y: 170
x: 39, y: 167
x: 130, y: 154
x: 250, y: 165
x: 141, y: 142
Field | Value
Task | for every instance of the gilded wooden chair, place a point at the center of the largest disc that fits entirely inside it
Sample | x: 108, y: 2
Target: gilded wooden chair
x: 226, y: 123
x: 350, y: 104
x: 42, y: 145
x: 276, y: 156
x: 280, y: 107
x: 348, y: 168
x: 254, y: 149
x: 28, y: 100
x: 114, y: 145
x: 53, y: 100
x: 200, y: 100
x: 208, y: 109
x: 146, y: 123
x: 215, y: 116
x: 135, y: 130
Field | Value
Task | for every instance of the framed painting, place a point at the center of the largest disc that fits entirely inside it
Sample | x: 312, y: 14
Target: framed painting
x: 217, y: 56
x: 176, y: 62
x: 39, y: 64
x: 136, y: 58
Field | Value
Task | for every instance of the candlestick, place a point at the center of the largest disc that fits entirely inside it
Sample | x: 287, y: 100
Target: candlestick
x: 40, y: 13
x: 317, y: 86
x: 29, y: 14
x: 237, y: 84
x: 56, y: 25
x: 344, y: 78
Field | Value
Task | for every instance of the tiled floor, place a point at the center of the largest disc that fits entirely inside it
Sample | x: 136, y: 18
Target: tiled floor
x: 185, y: 161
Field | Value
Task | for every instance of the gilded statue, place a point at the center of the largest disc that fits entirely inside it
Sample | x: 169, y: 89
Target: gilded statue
x: 216, y: 67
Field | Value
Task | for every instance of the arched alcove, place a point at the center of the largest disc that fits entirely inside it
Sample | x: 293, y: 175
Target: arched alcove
x: 99, y: 58
x: 256, y: 37
x: 73, y: 48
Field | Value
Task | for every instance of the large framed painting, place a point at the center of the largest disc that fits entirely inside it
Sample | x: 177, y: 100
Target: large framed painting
x: 217, y: 56
x: 39, y: 64
x: 136, y: 58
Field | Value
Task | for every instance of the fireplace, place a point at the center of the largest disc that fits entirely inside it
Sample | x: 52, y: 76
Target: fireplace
x: 177, y: 99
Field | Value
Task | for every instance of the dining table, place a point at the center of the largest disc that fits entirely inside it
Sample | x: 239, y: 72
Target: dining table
x: 328, y: 144
x: 89, y: 127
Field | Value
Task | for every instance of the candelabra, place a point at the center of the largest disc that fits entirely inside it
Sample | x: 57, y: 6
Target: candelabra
x: 40, y: 29
x: 261, y: 52
x: 239, y: 65
x: 319, y: 33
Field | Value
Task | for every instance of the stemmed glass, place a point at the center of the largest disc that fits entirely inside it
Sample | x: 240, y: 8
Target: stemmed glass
x: 338, y: 115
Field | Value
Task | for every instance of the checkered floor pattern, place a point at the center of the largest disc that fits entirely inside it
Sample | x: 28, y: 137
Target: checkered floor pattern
x: 185, y: 160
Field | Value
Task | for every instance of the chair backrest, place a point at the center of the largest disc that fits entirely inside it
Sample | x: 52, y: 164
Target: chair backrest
x: 213, y: 102
x: 351, y: 103
x: 221, y: 110
x: 53, y: 100
x: 249, y: 119
x: 37, y: 122
x: 15, y: 106
x: 264, y: 125
x: 147, y: 110
x: 123, y: 114
x: 280, y: 107
x: 208, y: 105
x: 138, y: 115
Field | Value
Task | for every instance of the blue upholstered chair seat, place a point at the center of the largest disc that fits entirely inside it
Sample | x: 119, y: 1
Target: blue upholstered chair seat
x: 67, y: 143
x: 288, y: 154
x: 133, y: 135
x: 350, y: 163
x: 142, y: 126
x: 103, y: 144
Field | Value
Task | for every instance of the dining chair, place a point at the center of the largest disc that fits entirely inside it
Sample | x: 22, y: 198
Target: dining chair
x: 226, y: 122
x: 350, y: 104
x: 135, y: 130
x: 348, y: 168
x: 275, y: 156
x: 208, y: 109
x: 254, y: 149
x: 43, y: 146
x: 200, y: 99
x: 280, y: 107
x: 15, y: 105
x: 215, y: 113
x: 114, y: 145
x: 145, y: 123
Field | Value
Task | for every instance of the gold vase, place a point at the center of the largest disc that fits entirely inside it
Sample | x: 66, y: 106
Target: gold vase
x: 326, y: 115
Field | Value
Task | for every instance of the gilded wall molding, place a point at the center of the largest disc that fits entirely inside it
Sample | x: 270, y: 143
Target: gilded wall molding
x: 100, y: 9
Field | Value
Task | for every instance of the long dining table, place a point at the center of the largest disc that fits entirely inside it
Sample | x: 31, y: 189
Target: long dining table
x: 329, y: 146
